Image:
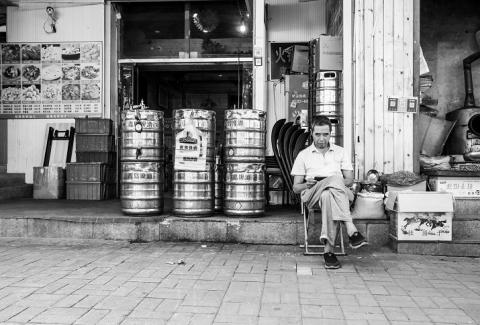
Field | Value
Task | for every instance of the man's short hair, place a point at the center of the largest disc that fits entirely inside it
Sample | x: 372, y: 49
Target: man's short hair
x: 320, y: 120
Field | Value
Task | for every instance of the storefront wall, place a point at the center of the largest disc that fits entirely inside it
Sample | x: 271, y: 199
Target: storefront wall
x: 27, y: 138
x: 384, y: 67
x: 382, y: 56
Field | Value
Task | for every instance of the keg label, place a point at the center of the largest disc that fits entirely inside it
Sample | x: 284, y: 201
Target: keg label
x: 190, y: 148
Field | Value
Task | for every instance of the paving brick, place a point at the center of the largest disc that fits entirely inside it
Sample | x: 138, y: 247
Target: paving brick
x: 93, y: 316
x: 60, y: 315
x: 262, y: 320
x: 455, y: 316
x: 395, y: 301
x: 143, y: 321
x: 118, y: 303
x: 89, y: 301
x: 279, y: 310
x: 40, y: 300
x: 26, y: 315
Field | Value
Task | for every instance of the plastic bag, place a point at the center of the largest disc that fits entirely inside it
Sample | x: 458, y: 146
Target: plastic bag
x: 369, y: 206
x: 435, y: 163
x: 402, y: 178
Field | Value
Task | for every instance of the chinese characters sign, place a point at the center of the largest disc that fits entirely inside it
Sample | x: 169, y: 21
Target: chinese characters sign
x: 51, y: 80
x: 281, y: 58
x: 190, y: 148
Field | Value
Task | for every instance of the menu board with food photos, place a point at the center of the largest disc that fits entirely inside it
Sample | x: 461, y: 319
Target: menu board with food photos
x: 51, y: 80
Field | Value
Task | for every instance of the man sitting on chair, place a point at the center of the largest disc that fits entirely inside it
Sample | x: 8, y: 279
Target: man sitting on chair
x: 322, y: 173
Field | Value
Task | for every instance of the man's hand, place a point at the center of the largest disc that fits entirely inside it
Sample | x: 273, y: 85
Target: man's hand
x: 311, y: 182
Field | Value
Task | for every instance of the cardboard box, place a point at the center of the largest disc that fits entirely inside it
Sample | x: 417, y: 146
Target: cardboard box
x: 459, y: 187
x: 420, y: 216
x: 422, y: 186
x: 300, y: 59
x: 329, y: 53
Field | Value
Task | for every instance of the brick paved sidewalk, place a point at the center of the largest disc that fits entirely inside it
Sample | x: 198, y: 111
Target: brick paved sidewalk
x: 93, y: 282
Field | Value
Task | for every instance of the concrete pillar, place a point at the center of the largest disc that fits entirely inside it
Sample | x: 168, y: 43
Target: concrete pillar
x: 259, y: 56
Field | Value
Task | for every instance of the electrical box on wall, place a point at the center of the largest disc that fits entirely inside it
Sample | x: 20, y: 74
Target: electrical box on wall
x: 402, y: 104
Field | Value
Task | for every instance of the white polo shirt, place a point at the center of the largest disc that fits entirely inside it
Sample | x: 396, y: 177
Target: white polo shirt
x: 310, y: 162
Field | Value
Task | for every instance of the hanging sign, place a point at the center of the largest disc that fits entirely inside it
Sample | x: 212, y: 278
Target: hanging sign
x: 190, y: 148
x: 51, y: 80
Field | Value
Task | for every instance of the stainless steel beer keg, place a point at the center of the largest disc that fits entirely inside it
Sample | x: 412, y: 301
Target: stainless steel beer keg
x: 245, y: 131
x: 193, y: 191
x: 142, y: 135
x: 218, y: 205
x: 244, y: 189
x: 328, y: 93
x: 194, y: 181
x: 203, y: 120
x: 141, y: 190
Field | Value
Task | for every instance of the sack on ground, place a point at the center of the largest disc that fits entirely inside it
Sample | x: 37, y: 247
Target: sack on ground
x: 368, y: 205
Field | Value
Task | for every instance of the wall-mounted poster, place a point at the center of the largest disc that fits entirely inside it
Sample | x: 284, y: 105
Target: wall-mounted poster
x: 51, y: 80
x: 281, y: 58
x: 190, y: 148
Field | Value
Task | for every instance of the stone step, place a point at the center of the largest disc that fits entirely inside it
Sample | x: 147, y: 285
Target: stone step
x: 453, y: 248
x: 16, y: 191
x: 9, y: 179
x: 467, y: 207
x: 466, y: 229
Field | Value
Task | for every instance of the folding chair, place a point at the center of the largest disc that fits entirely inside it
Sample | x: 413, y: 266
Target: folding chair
x: 309, y: 217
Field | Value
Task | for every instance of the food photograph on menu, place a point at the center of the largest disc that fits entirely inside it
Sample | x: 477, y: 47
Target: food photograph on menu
x: 71, y: 52
x: 51, y: 52
x: 30, y: 73
x: 52, y: 92
x: 31, y: 93
x: 11, y: 73
x: 45, y: 78
x: 11, y: 53
x: 11, y: 93
x: 51, y: 72
x: 30, y: 52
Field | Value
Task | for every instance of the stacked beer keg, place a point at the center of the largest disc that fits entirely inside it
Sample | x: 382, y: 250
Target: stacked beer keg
x: 218, y: 197
x: 328, y: 102
x: 244, y: 154
x: 142, y: 159
x: 194, y: 178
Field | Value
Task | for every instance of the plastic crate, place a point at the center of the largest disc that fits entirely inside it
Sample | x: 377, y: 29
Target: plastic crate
x: 93, y: 126
x: 108, y: 158
x: 90, y: 191
x: 95, y: 142
x: 90, y: 172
